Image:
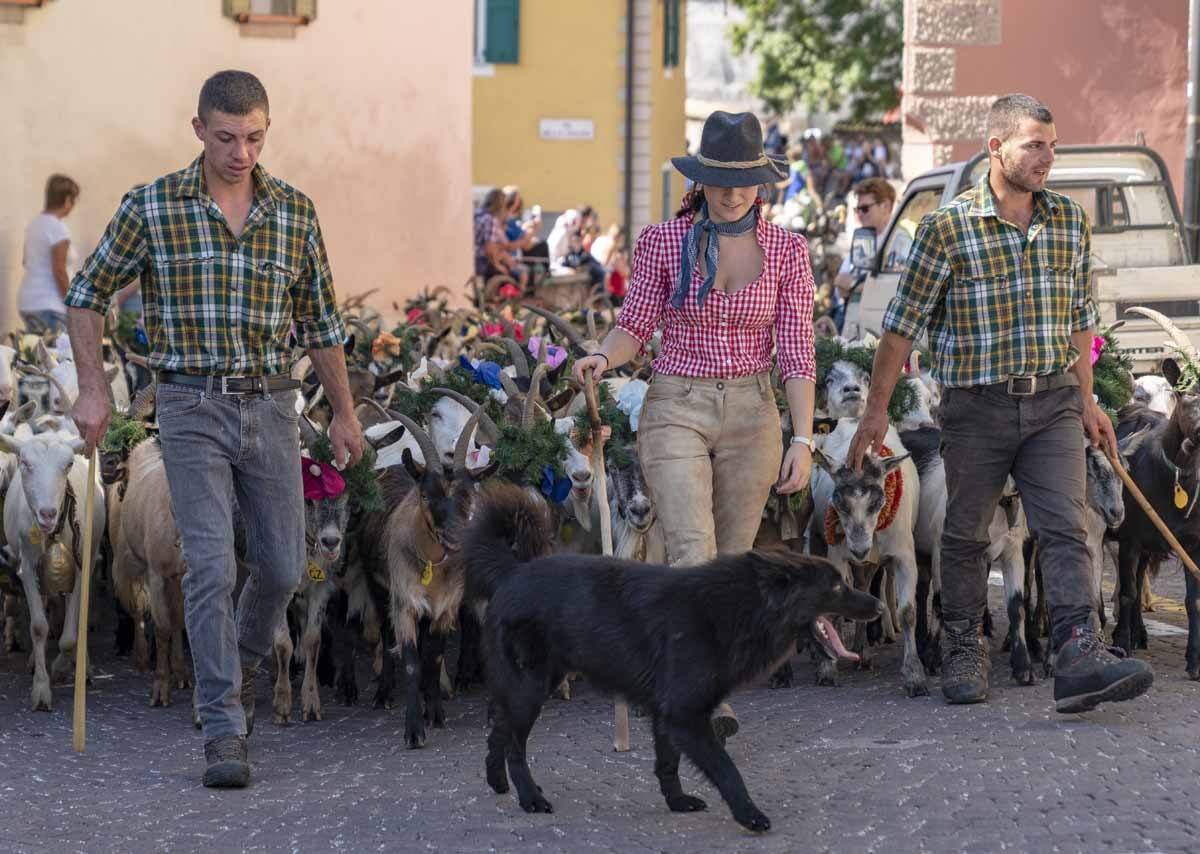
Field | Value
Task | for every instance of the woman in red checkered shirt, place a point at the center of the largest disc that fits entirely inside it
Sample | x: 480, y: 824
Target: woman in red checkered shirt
x: 727, y: 289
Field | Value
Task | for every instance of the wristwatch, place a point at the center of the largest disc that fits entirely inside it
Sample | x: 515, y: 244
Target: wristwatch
x: 806, y: 441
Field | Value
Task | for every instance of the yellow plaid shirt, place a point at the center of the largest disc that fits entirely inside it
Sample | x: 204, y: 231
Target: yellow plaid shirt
x: 998, y: 302
x: 215, y: 303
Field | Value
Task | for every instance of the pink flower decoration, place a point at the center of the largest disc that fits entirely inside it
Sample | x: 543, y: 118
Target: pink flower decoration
x: 555, y: 355
x: 321, y: 480
x: 415, y: 317
x: 1097, y: 346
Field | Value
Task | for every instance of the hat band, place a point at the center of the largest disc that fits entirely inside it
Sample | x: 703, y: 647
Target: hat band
x: 733, y: 164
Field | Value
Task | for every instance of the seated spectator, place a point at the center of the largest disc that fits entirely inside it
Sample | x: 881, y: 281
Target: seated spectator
x: 493, y: 252
x: 579, y: 258
x: 610, y: 251
x: 589, y: 225
x: 559, y: 235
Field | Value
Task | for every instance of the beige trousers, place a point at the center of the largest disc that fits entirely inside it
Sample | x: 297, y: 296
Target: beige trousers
x: 710, y: 450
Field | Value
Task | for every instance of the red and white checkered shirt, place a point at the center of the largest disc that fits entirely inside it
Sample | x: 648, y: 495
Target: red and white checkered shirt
x: 731, y: 335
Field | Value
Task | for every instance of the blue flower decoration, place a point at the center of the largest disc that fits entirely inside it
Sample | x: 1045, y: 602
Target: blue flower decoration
x: 139, y: 335
x: 555, y: 487
x: 487, y: 373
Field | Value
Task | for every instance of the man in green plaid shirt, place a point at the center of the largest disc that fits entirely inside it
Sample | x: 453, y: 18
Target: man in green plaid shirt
x: 1000, y: 280
x: 231, y: 262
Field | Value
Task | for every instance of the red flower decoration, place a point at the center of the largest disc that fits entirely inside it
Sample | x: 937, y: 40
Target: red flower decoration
x: 508, y: 292
x: 321, y: 480
x: 415, y: 317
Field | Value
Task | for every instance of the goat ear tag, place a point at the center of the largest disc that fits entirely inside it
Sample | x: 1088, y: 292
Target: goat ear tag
x: 1181, y: 498
x: 315, y: 572
x: 35, y: 535
x: 427, y: 573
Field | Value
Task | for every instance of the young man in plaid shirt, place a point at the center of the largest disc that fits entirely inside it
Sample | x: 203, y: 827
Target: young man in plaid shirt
x: 1000, y: 277
x: 231, y: 260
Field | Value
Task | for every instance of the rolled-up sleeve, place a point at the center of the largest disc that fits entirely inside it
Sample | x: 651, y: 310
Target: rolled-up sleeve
x: 314, y: 307
x: 794, y: 315
x: 649, y: 289
x: 922, y: 284
x: 1084, y: 314
x: 120, y: 256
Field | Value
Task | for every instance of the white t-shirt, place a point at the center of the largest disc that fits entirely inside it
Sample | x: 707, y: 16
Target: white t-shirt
x: 39, y: 290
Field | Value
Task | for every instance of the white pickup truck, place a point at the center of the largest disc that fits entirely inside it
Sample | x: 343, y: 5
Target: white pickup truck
x: 1138, y: 252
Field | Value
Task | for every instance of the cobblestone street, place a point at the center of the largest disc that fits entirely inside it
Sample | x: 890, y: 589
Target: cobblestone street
x: 858, y: 768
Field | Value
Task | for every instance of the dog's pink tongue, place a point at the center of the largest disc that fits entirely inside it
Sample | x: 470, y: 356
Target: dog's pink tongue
x: 833, y: 642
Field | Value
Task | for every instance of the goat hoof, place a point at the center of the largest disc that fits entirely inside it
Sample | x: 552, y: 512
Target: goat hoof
x: 916, y: 689
x: 414, y: 737
x: 1023, y: 678
x: 279, y: 720
x: 160, y: 694
x: 42, y: 698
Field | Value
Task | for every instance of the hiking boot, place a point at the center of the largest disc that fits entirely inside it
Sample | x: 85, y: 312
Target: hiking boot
x: 965, y: 662
x: 724, y: 722
x: 228, y: 763
x: 248, y: 686
x: 1088, y: 673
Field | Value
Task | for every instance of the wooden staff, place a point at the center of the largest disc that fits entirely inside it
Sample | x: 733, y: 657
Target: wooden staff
x: 1176, y: 546
x: 600, y: 477
x: 79, y: 721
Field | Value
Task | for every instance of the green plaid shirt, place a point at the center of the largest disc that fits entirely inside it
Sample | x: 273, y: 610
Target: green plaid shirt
x: 998, y: 302
x: 213, y: 303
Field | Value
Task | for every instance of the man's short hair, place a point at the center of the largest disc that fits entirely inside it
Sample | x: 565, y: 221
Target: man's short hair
x: 1009, y: 111
x: 60, y: 189
x: 237, y: 93
x: 877, y: 187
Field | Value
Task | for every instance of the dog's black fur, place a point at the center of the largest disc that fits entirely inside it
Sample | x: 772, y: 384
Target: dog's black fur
x: 674, y: 641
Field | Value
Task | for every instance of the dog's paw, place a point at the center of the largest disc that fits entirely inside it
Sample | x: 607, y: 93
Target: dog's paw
x: 781, y: 678
x: 537, y: 803
x: 753, y: 819
x: 686, y: 803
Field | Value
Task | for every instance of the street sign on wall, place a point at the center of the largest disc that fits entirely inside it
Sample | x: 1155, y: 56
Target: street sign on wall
x: 567, y: 129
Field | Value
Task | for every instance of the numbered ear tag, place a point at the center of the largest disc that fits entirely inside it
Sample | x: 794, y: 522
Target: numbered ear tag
x: 35, y: 535
x: 1181, y: 499
x: 315, y: 572
x: 427, y: 573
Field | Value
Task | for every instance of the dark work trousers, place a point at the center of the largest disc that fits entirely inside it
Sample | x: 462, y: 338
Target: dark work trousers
x: 988, y: 434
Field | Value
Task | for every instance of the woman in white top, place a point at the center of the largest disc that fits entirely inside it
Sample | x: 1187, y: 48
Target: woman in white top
x: 47, y: 246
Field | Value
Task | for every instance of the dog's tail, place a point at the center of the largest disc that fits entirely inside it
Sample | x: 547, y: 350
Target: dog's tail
x: 509, y: 526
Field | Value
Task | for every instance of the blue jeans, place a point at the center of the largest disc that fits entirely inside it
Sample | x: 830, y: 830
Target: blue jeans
x: 217, y: 448
x: 39, y: 321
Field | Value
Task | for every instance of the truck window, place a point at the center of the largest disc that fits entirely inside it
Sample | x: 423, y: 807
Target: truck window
x: 904, y: 227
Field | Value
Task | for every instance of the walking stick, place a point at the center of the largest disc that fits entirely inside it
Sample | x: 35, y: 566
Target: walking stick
x: 600, y: 476
x: 1184, y: 557
x: 79, y: 722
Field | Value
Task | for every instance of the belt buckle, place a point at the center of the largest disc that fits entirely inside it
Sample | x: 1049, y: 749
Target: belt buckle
x: 225, y: 385
x: 1022, y: 386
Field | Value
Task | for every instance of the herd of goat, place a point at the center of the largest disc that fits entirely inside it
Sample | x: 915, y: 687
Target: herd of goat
x: 389, y: 579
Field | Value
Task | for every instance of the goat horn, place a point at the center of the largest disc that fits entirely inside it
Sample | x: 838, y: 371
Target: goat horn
x: 529, y: 415
x: 1178, y: 337
x: 366, y: 331
x: 591, y: 325
x: 510, y: 387
x: 428, y: 449
x: 375, y: 404
x: 485, y: 420
x: 308, y: 433
x: 519, y: 359
x: 527, y: 326
x: 4, y: 404
x: 143, y: 404
x: 317, y: 397
x: 464, y: 444
x: 301, y: 367
x: 480, y: 347
x: 388, y: 379
x: 568, y: 331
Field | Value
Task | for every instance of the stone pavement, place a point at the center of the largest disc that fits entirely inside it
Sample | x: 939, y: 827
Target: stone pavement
x: 858, y: 768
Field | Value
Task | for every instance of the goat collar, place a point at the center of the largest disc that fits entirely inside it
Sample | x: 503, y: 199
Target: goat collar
x: 1178, y: 494
x: 893, y: 491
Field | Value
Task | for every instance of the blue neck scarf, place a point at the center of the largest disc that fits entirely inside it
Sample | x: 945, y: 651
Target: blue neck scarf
x: 691, y: 250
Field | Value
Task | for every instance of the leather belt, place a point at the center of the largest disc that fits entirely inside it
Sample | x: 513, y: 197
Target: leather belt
x: 231, y: 385
x: 1029, y: 386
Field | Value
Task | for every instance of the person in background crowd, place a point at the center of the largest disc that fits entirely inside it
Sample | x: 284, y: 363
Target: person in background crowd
x: 799, y: 178
x: 579, y: 258
x: 875, y: 199
x: 47, y: 259
x: 610, y: 250
x: 567, y: 222
x: 589, y: 225
x: 493, y: 253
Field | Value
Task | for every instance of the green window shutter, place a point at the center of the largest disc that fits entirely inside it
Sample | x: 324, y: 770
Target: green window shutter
x: 670, y: 33
x: 306, y: 9
x: 503, y: 31
x: 233, y: 8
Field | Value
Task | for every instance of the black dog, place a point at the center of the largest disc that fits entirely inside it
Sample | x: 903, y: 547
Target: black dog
x: 674, y: 641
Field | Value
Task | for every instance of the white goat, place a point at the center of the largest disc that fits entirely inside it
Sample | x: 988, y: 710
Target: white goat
x: 41, y: 523
x: 8, y: 380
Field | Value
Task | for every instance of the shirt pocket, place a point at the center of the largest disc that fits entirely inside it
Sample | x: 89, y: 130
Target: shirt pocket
x: 1056, y: 290
x: 269, y: 297
x: 187, y: 294
x: 981, y: 303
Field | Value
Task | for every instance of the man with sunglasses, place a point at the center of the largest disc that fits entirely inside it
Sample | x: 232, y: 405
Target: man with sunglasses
x: 876, y: 198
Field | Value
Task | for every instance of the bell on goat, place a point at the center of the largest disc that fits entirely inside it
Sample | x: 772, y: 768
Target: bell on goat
x: 60, y: 570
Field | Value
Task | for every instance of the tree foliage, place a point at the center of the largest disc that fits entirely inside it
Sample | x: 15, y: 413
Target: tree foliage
x: 824, y: 54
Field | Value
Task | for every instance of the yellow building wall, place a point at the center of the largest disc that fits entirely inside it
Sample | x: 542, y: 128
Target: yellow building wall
x: 668, y: 120
x: 370, y: 110
x: 571, y: 66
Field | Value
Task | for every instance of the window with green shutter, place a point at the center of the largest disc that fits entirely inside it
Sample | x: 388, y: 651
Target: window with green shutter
x: 503, y: 31
x: 670, y: 33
